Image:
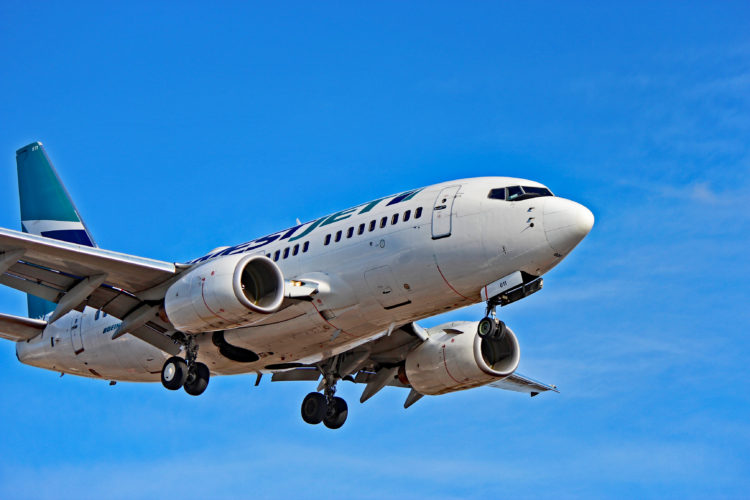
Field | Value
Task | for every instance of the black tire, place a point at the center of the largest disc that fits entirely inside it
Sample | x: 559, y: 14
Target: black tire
x: 337, y: 414
x: 197, y: 380
x: 314, y: 408
x: 174, y: 373
x: 500, y: 330
x: 486, y: 327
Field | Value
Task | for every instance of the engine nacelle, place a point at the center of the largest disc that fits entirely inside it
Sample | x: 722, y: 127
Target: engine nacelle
x: 228, y: 292
x: 455, y: 357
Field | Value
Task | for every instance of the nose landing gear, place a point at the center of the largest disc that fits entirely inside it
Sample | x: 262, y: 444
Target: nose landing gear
x: 490, y: 327
x: 186, y: 373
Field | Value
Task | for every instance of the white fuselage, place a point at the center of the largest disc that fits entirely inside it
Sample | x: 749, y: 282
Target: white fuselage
x: 377, y: 279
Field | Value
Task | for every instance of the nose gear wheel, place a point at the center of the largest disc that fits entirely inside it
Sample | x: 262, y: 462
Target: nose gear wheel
x: 490, y: 327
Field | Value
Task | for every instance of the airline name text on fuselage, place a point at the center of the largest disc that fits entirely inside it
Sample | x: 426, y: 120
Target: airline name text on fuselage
x: 290, y: 234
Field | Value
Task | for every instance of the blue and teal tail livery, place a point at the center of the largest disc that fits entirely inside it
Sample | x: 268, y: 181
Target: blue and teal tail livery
x: 46, y: 207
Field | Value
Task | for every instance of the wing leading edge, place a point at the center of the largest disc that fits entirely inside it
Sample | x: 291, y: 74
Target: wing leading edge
x: 67, y: 273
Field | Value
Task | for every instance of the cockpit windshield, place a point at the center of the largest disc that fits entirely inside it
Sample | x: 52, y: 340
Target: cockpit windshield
x: 518, y: 193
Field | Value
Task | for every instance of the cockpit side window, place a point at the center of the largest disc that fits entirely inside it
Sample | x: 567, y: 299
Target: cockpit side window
x: 518, y: 193
x: 497, y: 194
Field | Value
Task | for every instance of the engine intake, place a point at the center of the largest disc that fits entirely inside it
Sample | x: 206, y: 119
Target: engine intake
x: 224, y: 293
x: 455, y: 357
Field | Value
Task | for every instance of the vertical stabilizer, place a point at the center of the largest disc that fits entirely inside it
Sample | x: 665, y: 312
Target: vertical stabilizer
x: 46, y: 208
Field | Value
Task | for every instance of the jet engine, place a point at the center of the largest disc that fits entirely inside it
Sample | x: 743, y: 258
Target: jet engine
x: 454, y: 357
x: 224, y: 293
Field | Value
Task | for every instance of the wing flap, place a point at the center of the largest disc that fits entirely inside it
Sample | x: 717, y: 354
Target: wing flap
x: 521, y: 383
x: 309, y: 373
x: 27, y: 286
x: 19, y: 329
x: 153, y: 335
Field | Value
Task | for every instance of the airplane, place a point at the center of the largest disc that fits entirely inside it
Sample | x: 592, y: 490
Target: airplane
x: 334, y: 299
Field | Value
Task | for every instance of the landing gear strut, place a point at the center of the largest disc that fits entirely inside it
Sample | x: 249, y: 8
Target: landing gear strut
x: 186, y: 373
x: 326, y: 407
x: 490, y: 327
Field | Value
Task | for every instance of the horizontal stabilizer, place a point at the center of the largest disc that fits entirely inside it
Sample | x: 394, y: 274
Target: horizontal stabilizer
x: 519, y: 383
x: 19, y: 329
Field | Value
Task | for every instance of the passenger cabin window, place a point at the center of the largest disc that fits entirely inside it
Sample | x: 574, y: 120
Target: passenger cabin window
x: 286, y: 252
x: 361, y: 229
x: 305, y: 247
x: 407, y: 215
x: 350, y: 232
x: 394, y: 219
x: 338, y: 236
x: 296, y: 250
x: 418, y: 213
x: 383, y: 222
x: 372, y: 225
x: 518, y: 193
x: 276, y: 255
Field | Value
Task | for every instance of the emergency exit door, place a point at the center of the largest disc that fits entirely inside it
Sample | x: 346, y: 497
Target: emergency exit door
x: 75, y: 335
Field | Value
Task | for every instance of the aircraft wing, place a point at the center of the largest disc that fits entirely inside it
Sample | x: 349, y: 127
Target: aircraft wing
x: 19, y: 329
x: 520, y: 383
x: 123, y: 271
x: 374, y: 364
x: 120, y: 285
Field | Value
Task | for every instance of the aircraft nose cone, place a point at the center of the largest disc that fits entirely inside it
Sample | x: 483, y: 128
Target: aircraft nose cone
x: 566, y: 223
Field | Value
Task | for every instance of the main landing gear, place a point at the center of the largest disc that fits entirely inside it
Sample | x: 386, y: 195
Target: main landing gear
x: 186, y: 373
x: 326, y: 407
x: 490, y: 327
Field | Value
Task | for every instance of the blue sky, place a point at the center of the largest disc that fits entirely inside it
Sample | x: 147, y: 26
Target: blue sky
x: 178, y: 128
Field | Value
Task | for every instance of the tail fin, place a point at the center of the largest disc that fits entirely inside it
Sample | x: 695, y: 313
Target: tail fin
x: 46, y: 208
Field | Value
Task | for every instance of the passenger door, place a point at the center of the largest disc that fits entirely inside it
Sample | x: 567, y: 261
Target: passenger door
x: 442, y: 212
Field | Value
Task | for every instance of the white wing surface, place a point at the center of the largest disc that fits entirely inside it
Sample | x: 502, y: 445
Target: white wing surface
x: 19, y: 329
x: 120, y: 284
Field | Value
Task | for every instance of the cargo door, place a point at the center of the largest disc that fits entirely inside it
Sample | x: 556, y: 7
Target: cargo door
x: 385, y: 289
